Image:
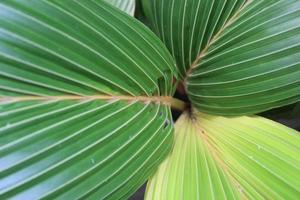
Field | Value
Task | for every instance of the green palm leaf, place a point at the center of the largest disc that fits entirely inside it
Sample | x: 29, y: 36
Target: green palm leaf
x: 240, y: 57
x: 229, y: 158
x: 84, y: 101
x: 86, y: 92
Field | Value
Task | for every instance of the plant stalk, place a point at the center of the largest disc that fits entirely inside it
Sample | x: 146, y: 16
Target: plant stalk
x: 178, y: 104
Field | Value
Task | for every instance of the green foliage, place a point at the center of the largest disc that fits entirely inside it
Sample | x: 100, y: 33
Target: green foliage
x: 240, y: 57
x: 77, y: 113
x: 86, y: 99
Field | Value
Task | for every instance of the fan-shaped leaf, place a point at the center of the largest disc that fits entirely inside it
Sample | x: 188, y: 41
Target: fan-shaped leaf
x: 240, y: 57
x: 84, y: 94
x: 186, y: 26
x: 229, y: 158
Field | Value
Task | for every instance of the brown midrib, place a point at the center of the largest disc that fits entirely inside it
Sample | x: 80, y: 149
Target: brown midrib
x: 214, y: 39
x: 165, y: 100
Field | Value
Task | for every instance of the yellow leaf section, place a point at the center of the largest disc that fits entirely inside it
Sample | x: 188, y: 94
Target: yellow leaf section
x: 216, y: 158
x: 190, y: 172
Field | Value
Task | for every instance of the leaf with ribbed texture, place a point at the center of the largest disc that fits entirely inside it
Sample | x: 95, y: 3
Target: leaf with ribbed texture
x: 127, y: 6
x: 186, y: 26
x: 236, y: 57
x: 190, y: 171
x: 229, y: 158
x: 84, y: 101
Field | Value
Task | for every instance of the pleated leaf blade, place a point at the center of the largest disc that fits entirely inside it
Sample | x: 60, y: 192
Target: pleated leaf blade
x: 84, y: 101
x: 229, y: 158
x: 235, y: 57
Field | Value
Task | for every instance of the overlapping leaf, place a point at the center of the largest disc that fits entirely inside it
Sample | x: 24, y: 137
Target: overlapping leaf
x: 240, y: 57
x: 127, y: 6
x: 229, y: 158
x: 84, y: 92
x: 186, y: 26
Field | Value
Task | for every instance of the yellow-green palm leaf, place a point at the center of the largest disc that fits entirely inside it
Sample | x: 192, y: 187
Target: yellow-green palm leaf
x: 229, y: 158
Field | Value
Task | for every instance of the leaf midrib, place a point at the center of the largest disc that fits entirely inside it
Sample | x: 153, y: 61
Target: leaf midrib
x: 213, y: 39
x: 208, y: 141
x: 165, y: 100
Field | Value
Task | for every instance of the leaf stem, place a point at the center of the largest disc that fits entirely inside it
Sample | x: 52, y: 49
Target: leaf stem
x: 178, y: 104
